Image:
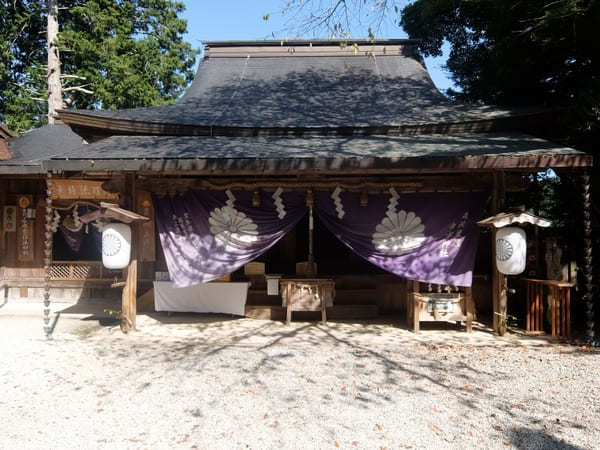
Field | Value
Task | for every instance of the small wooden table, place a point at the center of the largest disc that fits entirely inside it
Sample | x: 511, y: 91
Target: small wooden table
x: 307, y: 294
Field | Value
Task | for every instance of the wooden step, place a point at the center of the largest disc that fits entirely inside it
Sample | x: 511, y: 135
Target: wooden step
x: 339, y: 312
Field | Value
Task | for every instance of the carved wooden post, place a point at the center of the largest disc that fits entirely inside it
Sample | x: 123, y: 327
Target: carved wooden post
x: 588, y: 276
x: 48, y: 238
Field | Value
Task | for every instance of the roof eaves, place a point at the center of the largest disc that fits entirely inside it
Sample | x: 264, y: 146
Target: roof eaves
x: 116, y: 126
x: 337, y: 165
x: 5, y: 132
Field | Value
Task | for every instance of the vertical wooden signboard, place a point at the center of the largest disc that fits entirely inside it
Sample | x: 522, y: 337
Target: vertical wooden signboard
x: 25, y: 230
x: 146, y: 230
x: 10, y: 219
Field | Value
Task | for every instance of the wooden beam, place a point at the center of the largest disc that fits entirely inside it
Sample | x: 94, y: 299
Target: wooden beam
x: 360, y: 183
x: 92, y: 126
x: 338, y: 165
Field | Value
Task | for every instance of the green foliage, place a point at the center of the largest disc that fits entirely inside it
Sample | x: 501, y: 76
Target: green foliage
x: 129, y: 53
x: 518, y: 53
x: 22, y: 61
x: 556, y: 198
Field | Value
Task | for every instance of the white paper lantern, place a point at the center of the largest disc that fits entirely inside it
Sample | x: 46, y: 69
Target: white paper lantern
x: 116, y: 245
x: 511, y: 250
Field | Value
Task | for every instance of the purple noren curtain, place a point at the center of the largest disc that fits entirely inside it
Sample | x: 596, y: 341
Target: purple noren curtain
x: 426, y: 237
x: 208, y: 234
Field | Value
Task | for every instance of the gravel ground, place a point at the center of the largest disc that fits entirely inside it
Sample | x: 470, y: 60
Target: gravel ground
x: 213, y: 382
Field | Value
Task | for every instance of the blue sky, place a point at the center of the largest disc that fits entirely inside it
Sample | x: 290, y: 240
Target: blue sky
x: 243, y: 20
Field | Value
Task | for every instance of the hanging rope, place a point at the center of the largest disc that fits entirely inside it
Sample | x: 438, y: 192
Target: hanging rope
x: 48, y: 236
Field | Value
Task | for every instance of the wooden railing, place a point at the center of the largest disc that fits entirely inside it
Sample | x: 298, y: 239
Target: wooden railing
x: 81, y: 271
x: 559, y: 293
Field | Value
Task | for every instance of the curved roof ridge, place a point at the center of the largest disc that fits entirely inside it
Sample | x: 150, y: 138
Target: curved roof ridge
x: 273, y: 88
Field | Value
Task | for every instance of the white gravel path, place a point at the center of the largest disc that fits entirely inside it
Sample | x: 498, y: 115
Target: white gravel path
x: 217, y: 383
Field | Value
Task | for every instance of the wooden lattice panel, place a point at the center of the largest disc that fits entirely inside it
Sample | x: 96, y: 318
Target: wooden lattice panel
x: 79, y: 271
x: 60, y: 271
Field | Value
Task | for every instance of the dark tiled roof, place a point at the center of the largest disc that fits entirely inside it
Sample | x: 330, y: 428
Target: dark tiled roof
x: 5, y: 133
x: 33, y: 147
x: 190, y: 153
x: 310, y: 91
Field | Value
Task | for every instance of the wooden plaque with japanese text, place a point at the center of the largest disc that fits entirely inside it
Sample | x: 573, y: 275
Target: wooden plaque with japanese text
x: 146, y: 230
x: 80, y: 190
x: 25, y: 230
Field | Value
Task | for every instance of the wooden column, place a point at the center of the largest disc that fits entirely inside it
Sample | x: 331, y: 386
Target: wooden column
x: 129, y: 297
x: 499, y: 287
x: 413, y: 308
x: 588, y: 275
x: 470, y: 307
x: 3, y: 193
x: 311, y: 225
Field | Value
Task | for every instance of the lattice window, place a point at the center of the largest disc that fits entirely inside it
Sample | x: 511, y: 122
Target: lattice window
x: 80, y: 271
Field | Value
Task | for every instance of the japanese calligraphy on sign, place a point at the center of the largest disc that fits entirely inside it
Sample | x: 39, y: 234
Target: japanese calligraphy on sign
x: 146, y: 232
x: 9, y: 222
x: 80, y: 190
x: 25, y: 230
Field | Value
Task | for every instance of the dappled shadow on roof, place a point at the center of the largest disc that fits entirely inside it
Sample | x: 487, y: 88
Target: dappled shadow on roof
x: 309, y: 92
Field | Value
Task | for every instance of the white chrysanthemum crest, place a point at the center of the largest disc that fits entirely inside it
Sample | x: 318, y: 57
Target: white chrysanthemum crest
x: 232, y: 227
x: 398, y: 232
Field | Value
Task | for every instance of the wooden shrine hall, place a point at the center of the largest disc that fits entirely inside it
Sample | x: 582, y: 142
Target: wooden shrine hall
x: 305, y: 133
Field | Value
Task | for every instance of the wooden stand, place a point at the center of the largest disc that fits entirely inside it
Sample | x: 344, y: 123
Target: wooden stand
x: 417, y: 307
x: 560, y: 307
x: 314, y: 294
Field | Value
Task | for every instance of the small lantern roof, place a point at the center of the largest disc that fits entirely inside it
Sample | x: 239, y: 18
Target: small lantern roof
x: 113, y: 211
x: 504, y: 219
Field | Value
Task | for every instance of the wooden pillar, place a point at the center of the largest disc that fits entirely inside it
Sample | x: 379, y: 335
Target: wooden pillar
x: 311, y: 271
x: 129, y: 296
x: 48, y: 238
x: 129, y: 299
x: 588, y: 275
x: 499, y: 287
x: 470, y: 307
x: 412, y: 305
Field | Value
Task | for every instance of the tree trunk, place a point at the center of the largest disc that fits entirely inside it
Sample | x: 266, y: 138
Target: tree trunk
x: 54, y: 86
